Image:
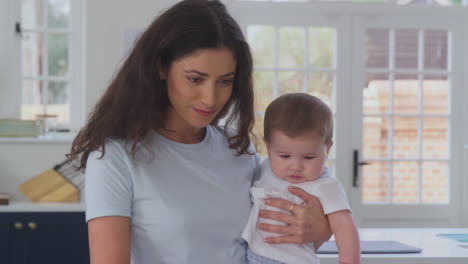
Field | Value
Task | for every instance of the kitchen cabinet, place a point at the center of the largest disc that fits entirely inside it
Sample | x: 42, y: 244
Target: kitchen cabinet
x: 43, y: 238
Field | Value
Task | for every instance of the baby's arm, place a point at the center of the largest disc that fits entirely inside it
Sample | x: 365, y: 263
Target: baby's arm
x: 346, y: 236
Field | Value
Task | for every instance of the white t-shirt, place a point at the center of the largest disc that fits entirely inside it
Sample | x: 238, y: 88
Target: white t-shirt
x: 327, y: 189
x: 188, y: 203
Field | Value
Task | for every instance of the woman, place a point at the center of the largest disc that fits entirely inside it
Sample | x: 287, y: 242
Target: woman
x: 164, y: 182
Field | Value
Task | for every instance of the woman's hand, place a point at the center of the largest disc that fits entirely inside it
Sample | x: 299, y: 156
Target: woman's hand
x: 306, y: 223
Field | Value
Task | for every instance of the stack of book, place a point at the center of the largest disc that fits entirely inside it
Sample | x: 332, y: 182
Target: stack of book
x: 19, y: 128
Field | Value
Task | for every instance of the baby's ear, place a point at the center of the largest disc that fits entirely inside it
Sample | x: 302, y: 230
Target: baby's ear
x: 329, y: 147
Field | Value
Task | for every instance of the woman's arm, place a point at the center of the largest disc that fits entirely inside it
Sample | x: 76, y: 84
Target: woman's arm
x: 307, y: 223
x: 109, y: 240
x: 346, y: 237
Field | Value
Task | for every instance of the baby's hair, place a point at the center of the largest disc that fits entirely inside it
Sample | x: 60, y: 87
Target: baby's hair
x: 298, y: 113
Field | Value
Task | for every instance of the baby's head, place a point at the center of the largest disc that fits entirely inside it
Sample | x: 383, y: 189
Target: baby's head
x: 298, y: 132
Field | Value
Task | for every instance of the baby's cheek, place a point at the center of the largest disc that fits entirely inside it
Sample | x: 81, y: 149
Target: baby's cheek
x: 277, y: 169
x: 316, y: 170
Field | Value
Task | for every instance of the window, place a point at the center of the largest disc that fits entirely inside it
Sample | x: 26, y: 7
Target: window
x: 406, y: 116
x: 292, y: 59
x: 393, y: 76
x: 49, y: 54
x: 45, y: 60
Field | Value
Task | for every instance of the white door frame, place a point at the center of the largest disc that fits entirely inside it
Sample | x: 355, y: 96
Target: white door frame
x: 465, y: 129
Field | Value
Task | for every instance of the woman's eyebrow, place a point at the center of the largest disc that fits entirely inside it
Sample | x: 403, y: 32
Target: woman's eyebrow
x: 197, y: 72
x: 228, y: 74
x: 206, y: 74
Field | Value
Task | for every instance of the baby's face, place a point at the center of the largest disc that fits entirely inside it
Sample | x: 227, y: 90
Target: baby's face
x: 298, y: 159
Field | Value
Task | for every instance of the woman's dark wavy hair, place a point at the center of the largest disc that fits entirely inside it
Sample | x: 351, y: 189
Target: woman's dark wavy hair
x: 136, y: 101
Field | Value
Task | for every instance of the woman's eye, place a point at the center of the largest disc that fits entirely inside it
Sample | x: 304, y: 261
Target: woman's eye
x: 227, y: 81
x: 194, y: 79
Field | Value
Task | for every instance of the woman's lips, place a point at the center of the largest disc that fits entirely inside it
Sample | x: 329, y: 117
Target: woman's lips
x: 204, y: 112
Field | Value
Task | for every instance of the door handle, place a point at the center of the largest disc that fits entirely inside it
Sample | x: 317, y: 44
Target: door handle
x: 356, y: 164
x: 18, y: 29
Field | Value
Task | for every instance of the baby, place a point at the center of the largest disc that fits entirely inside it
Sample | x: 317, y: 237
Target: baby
x: 298, y: 132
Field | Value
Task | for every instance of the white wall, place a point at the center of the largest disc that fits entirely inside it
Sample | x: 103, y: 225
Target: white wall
x: 8, y: 62
x: 106, y: 20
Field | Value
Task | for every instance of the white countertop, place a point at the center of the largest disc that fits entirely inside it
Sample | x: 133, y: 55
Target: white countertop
x: 15, y: 207
x: 435, y: 250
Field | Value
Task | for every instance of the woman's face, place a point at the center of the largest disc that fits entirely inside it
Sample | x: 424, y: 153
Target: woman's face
x: 199, y: 85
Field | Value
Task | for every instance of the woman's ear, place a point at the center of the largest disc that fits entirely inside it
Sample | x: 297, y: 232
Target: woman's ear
x: 162, y: 74
x: 162, y: 71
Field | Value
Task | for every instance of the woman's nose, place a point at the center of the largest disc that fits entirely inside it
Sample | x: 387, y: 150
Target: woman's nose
x: 208, y: 95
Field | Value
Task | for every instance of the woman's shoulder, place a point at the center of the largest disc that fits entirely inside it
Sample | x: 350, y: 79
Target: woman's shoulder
x: 112, y: 144
x: 113, y: 149
x: 222, y: 130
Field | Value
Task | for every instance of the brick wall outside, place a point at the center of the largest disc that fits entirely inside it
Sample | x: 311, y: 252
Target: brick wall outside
x: 408, y: 153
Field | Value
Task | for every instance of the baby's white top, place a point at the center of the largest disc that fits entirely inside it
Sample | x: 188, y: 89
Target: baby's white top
x: 326, y: 188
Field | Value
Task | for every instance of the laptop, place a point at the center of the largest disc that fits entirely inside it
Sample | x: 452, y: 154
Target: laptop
x: 373, y: 247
